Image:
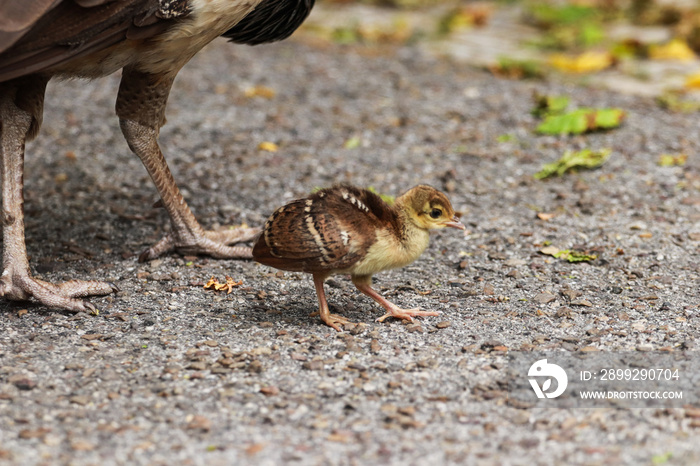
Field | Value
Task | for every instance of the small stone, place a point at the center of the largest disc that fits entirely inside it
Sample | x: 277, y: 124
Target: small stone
x: 374, y: 346
x: 358, y: 329
x: 81, y: 400
x: 443, y: 324
x: 414, y: 328
x: 22, y: 382
x: 82, y: 445
x: 581, y: 302
x: 571, y: 294
x: 515, y: 262
x: 313, y: 365
x: 33, y: 433
x: 255, y: 367
x: 198, y: 422
x: 645, y: 347
x: 209, y: 343
x: 197, y: 366
x: 544, y: 298
x: 514, y: 274
x: 269, y: 390
x: 489, y: 290
x: 564, y: 312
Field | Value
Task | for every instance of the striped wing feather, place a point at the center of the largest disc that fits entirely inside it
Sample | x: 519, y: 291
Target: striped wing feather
x: 325, y: 232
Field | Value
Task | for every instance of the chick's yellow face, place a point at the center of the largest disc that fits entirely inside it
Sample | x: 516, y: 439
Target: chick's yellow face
x: 430, y: 209
x: 438, y: 214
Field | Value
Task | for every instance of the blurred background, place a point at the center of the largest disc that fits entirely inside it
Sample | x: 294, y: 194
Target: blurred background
x: 642, y: 47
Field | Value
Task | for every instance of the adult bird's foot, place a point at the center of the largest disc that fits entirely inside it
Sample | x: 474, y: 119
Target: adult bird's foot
x: 215, y: 244
x: 22, y: 286
x: 406, y: 314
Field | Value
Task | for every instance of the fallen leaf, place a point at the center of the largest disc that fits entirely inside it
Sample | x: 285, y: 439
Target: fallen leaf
x: 260, y: 91
x: 549, y: 105
x: 582, y: 120
x: 672, y: 160
x: 517, y: 69
x: 568, y: 254
x: 585, y: 158
x: 352, y: 143
x: 676, y: 49
x: 587, y: 62
x: 268, y: 146
x: 575, y: 256
x: 464, y: 17
x: 693, y: 81
x: 214, y: 284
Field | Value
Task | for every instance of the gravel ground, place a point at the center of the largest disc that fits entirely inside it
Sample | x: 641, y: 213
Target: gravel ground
x: 170, y: 373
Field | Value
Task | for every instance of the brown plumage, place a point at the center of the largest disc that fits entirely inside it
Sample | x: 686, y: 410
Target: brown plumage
x: 149, y: 40
x: 348, y: 230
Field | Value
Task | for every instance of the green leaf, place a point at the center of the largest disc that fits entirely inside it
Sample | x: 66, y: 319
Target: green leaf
x: 574, y: 256
x: 606, y: 118
x: 662, y: 458
x: 352, y: 143
x: 582, y: 120
x: 585, y: 158
x: 549, y: 105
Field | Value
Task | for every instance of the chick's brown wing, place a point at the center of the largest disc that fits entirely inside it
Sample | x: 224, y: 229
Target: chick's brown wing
x: 313, y: 235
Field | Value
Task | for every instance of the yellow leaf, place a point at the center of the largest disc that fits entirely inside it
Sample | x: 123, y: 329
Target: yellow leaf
x: 693, y: 81
x: 260, y: 91
x: 672, y: 160
x: 268, y: 146
x: 587, y: 62
x: 677, y: 49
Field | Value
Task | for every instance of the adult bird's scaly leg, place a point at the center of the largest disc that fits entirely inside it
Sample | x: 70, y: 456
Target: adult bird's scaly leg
x: 141, y: 110
x: 21, y: 106
x: 392, y: 310
x: 332, y: 320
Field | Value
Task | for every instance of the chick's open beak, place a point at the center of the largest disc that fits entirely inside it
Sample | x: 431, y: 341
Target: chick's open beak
x: 455, y: 223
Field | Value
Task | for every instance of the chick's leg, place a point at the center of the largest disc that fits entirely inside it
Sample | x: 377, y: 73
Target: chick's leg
x: 141, y: 109
x: 392, y: 310
x: 21, y: 106
x: 332, y: 320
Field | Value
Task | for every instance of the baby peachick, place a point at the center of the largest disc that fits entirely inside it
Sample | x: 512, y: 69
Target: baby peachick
x: 348, y: 230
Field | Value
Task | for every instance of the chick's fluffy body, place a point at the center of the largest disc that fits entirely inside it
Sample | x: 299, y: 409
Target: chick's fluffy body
x: 346, y: 230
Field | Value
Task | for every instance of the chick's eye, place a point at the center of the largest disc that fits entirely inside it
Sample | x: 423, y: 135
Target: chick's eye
x: 436, y: 213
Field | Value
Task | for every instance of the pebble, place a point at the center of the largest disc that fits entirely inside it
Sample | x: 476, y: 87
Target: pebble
x: 443, y: 324
x: 22, y: 382
x: 544, y: 298
x: 581, y: 302
x: 315, y: 365
x: 198, y: 422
